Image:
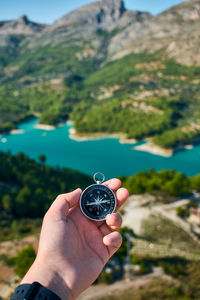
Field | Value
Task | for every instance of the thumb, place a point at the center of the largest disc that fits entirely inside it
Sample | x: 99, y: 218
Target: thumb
x: 60, y: 207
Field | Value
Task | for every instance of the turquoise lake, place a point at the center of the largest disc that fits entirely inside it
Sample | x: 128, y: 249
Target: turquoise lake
x: 106, y: 155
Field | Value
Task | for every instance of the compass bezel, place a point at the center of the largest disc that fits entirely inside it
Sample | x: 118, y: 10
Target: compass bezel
x: 109, y: 212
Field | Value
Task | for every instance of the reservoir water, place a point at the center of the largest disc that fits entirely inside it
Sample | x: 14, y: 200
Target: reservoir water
x: 105, y: 155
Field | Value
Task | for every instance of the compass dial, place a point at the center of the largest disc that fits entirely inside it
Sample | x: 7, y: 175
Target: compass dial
x: 97, y: 201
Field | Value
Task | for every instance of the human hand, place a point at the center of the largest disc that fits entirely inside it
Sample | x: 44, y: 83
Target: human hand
x: 73, y: 249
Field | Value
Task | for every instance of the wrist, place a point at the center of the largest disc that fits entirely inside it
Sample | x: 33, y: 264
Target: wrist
x: 48, y: 278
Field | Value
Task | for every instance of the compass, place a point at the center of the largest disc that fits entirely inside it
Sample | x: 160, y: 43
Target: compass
x: 98, y: 200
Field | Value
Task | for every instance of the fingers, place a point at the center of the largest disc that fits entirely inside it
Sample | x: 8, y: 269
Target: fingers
x: 60, y: 207
x: 114, y: 221
x: 113, y: 184
x: 113, y: 241
x: 121, y: 195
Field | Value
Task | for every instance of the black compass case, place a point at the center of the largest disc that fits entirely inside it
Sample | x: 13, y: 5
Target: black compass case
x: 97, y: 201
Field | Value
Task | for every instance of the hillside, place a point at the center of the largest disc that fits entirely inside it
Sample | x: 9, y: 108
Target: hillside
x: 124, y: 71
x: 22, y: 181
x: 163, y: 246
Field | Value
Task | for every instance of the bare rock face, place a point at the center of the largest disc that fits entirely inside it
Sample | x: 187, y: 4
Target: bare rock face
x: 104, y: 13
x: 188, y: 10
x: 111, y: 10
x: 84, y: 23
x: 21, y: 26
x: 113, y: 31
x: 176, y: 30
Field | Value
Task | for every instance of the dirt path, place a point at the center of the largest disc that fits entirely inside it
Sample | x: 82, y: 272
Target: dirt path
x: 135, y: 213
x: 101, y: 291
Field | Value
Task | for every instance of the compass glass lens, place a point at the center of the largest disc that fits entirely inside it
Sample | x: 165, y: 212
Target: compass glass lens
x: 97, y: 201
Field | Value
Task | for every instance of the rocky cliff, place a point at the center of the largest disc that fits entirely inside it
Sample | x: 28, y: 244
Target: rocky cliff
x: 175, y: 31
x: 20, y: 26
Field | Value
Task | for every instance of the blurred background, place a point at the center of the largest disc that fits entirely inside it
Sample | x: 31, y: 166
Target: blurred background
x: 113, y: 87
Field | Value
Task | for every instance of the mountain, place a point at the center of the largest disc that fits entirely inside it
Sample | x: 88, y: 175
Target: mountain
x: 176, y: 31
x: 20, y: 26
x: 104, y: 14
x: 11, y: 32
x: 103, y: 64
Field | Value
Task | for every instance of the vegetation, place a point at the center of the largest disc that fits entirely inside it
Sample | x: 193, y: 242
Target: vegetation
x: 184, y: 212
x: 172, y: 238
x: 184, y: 286
x: 119, y: 71
x: 155, y: 289
x: 22, y: 261
x: 110, y: 118
x: 174, y: 68
x: 175, y: 138
x: 122, y: 252
x: 27, y: 189
x: 26, y: 84
x: 105, y: 277
x: 169, y: 181
x: 18, y: 228
x: 142, y: 95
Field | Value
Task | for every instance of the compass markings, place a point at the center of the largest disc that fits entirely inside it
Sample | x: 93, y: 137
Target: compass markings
x: 98, y: 203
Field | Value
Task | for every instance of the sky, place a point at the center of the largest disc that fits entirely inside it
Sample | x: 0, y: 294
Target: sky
x: 47, y: 11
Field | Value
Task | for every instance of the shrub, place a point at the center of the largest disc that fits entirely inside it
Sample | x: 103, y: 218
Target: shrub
x: 24, y: 260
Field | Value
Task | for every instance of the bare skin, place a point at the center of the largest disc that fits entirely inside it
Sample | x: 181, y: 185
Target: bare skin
x: 73, y: 249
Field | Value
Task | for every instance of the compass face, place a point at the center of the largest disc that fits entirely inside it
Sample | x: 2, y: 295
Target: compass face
x: 97, y: 201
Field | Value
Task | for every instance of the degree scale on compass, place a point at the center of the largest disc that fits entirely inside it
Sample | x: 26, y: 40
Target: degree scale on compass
x: 97, y: 200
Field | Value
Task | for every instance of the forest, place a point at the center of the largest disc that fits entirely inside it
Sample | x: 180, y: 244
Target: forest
x: 108, y: 98
x: 171, y: 182
x: 28, y: 187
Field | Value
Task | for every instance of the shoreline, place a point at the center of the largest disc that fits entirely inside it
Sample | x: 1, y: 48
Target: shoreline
x: 97, y: 136
x: 17, y: 131
x: 44, y: 127
x: 150, y: 147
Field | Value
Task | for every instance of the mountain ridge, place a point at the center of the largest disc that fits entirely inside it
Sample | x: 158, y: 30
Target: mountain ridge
x: 132, y: 31
x: 103, y: 11
x: 22, y: 25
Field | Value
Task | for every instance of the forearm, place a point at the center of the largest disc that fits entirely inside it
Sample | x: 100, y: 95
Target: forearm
x: 53, y: 281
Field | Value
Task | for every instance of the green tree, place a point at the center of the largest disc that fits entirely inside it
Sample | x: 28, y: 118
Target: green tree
x: 23, y: 200
x: 42, y: 158
x: 7, y: 203
x: 179, y: 185
x: 122, y: 252
x: 196, y: 183
x: 24, y: 260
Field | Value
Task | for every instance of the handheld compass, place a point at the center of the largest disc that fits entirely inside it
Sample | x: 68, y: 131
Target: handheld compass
x: 98, y: 200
